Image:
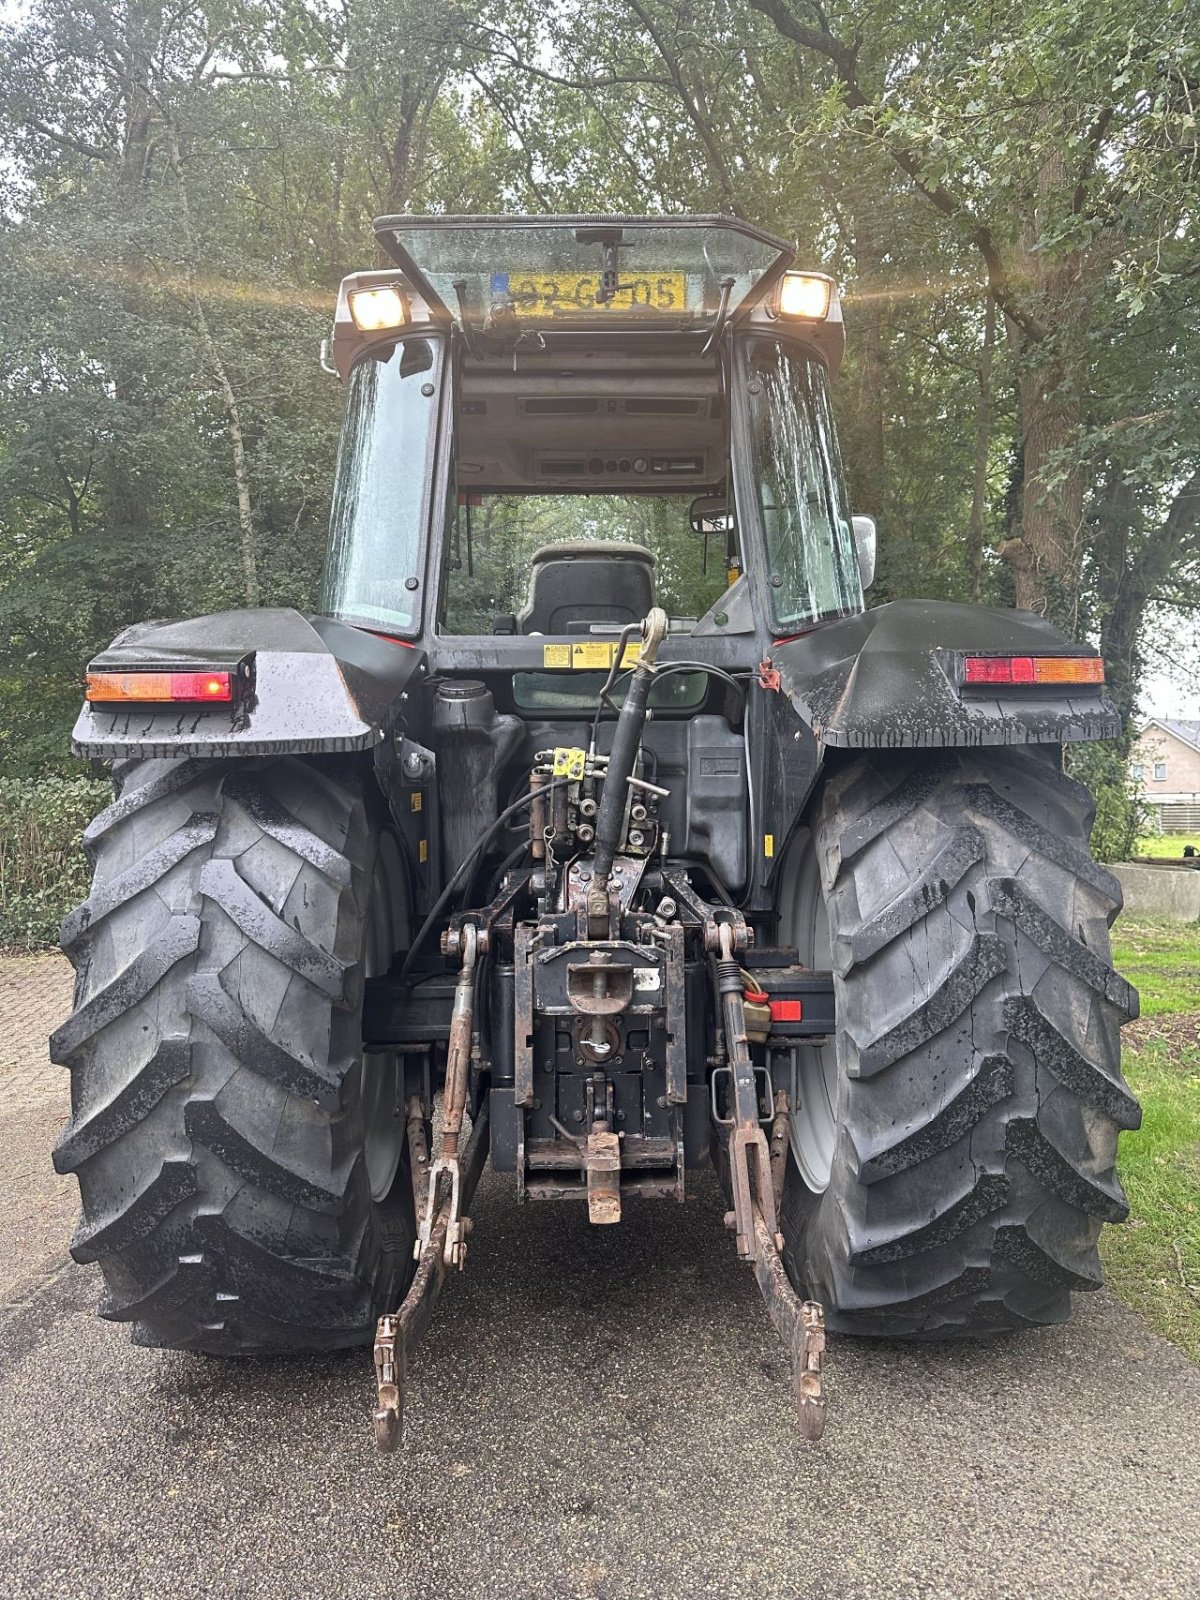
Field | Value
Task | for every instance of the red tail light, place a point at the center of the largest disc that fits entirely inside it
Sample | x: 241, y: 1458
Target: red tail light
x: 196, y: 687
x: 1032, y: 669
x: 787, y: 1011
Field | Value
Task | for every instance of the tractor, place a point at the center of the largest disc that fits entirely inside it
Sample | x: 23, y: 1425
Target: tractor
x: 592, y: 825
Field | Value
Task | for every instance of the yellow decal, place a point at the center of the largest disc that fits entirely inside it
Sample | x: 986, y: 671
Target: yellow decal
x: 768, y: 844
x: 415, y: 800
x: 592, y: 655
x: 423, y: 851
x: 569, y: 762
x: 557, y: 294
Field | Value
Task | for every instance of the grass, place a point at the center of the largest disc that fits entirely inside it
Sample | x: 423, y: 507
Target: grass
x: 1165, y: 846
x: 1153, y: 1260
x: 1162, y: 961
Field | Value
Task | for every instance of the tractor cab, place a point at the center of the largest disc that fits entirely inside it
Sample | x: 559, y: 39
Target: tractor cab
x: 555, y: 423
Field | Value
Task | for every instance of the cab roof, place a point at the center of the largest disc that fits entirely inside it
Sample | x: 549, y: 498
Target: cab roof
x: 633, y: 292
x: 555, y: 272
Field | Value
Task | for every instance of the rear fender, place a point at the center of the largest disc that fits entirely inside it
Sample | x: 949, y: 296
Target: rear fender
x: 307, y: 686
x: 887, y: 679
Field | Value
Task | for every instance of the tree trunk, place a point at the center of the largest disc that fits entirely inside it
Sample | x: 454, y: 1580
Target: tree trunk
x: 983, y: 444
x: 1046, y: 554
x: 233, y: 420
x: 123, y: 497
x: 1132, y: 564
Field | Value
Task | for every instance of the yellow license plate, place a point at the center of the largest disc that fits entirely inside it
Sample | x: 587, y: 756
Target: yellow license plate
x: 568, y: 294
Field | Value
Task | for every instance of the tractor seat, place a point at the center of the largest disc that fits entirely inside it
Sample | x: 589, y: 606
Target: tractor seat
x: 583, y: 582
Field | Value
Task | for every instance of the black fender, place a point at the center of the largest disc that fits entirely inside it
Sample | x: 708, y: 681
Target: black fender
x: 888, y: 679
x: 307, y: 686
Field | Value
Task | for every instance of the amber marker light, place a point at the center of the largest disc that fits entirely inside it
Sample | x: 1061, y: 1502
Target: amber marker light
x: 194, y: 687
x: 374, y: 310
x: 804, y: 295
x: 979, y: 671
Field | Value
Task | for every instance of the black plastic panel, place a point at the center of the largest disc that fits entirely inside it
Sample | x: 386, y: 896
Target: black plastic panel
x: 882, y: 680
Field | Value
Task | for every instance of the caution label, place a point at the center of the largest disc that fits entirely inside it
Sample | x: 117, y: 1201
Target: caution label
x: 589, y: 655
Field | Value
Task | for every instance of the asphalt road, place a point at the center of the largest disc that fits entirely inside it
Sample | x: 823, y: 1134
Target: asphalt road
x: 595, y: 1413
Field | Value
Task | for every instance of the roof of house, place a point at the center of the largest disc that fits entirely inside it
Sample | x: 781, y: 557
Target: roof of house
x: 1188, y: 732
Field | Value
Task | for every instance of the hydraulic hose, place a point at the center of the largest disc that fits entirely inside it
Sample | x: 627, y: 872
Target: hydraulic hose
x: 626, y: 740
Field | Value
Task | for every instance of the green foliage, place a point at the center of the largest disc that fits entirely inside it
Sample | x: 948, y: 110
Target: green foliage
x: 1153, y: 1260
x: 1120, y: 815
x: 43, y: 870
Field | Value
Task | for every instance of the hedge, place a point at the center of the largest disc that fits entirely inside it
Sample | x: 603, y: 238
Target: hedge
x: 43, y: 870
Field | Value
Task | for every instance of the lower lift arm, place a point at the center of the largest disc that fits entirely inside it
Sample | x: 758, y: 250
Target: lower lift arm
x: 799, y: 1323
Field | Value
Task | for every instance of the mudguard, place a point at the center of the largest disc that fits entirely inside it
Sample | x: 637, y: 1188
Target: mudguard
x: 310, y: 686
x: 888, y: 679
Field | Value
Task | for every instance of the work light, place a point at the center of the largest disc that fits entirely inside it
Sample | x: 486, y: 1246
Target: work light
x: 803, y: 294
x: 376, y: 309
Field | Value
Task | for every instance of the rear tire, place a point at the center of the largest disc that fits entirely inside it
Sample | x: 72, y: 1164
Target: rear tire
x: 218, y: 1083
x: 974, y: 1085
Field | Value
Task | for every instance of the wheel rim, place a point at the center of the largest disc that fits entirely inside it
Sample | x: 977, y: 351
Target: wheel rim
x: 384, y: 1129
x: 805, y: 921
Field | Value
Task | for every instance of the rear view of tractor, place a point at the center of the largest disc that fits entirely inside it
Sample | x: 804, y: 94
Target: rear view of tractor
x: 595, y: 813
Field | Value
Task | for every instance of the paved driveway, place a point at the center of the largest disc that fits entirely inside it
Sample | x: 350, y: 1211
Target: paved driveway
x: 596, y: 1413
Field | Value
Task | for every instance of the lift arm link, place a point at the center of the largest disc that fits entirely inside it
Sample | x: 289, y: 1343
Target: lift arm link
x: 458, y: 1061
x: 397, y: 1333
x: 799, y: 1323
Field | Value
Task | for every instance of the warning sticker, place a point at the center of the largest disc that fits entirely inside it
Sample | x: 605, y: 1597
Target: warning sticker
x: 591, y: 654
x: 768, y: 844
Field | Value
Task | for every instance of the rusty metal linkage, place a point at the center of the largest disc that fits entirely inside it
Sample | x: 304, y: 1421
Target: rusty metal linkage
x: 458, y: 1061
x: 801, y: 1326
x: 397, y: 1333
x: 756, y: 1174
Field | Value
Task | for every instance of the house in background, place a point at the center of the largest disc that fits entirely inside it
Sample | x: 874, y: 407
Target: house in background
x: 1165, y: 769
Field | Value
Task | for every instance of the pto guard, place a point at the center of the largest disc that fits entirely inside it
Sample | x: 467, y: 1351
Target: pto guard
x: 308, y: 686
x: 887, y: 679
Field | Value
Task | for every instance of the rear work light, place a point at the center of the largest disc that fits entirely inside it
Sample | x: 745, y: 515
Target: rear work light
x: 196, y: 687
x: 1022, y: 670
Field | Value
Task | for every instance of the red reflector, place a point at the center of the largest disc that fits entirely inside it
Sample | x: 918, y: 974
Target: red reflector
x: 160, y: 686
x: 998, y: 669
x: 201, y: 686
x: 1033, y: 669
x: 787, y: 1011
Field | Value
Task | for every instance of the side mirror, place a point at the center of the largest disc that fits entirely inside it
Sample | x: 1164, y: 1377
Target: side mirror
x: 709, y: 514
x: 864, y: 544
